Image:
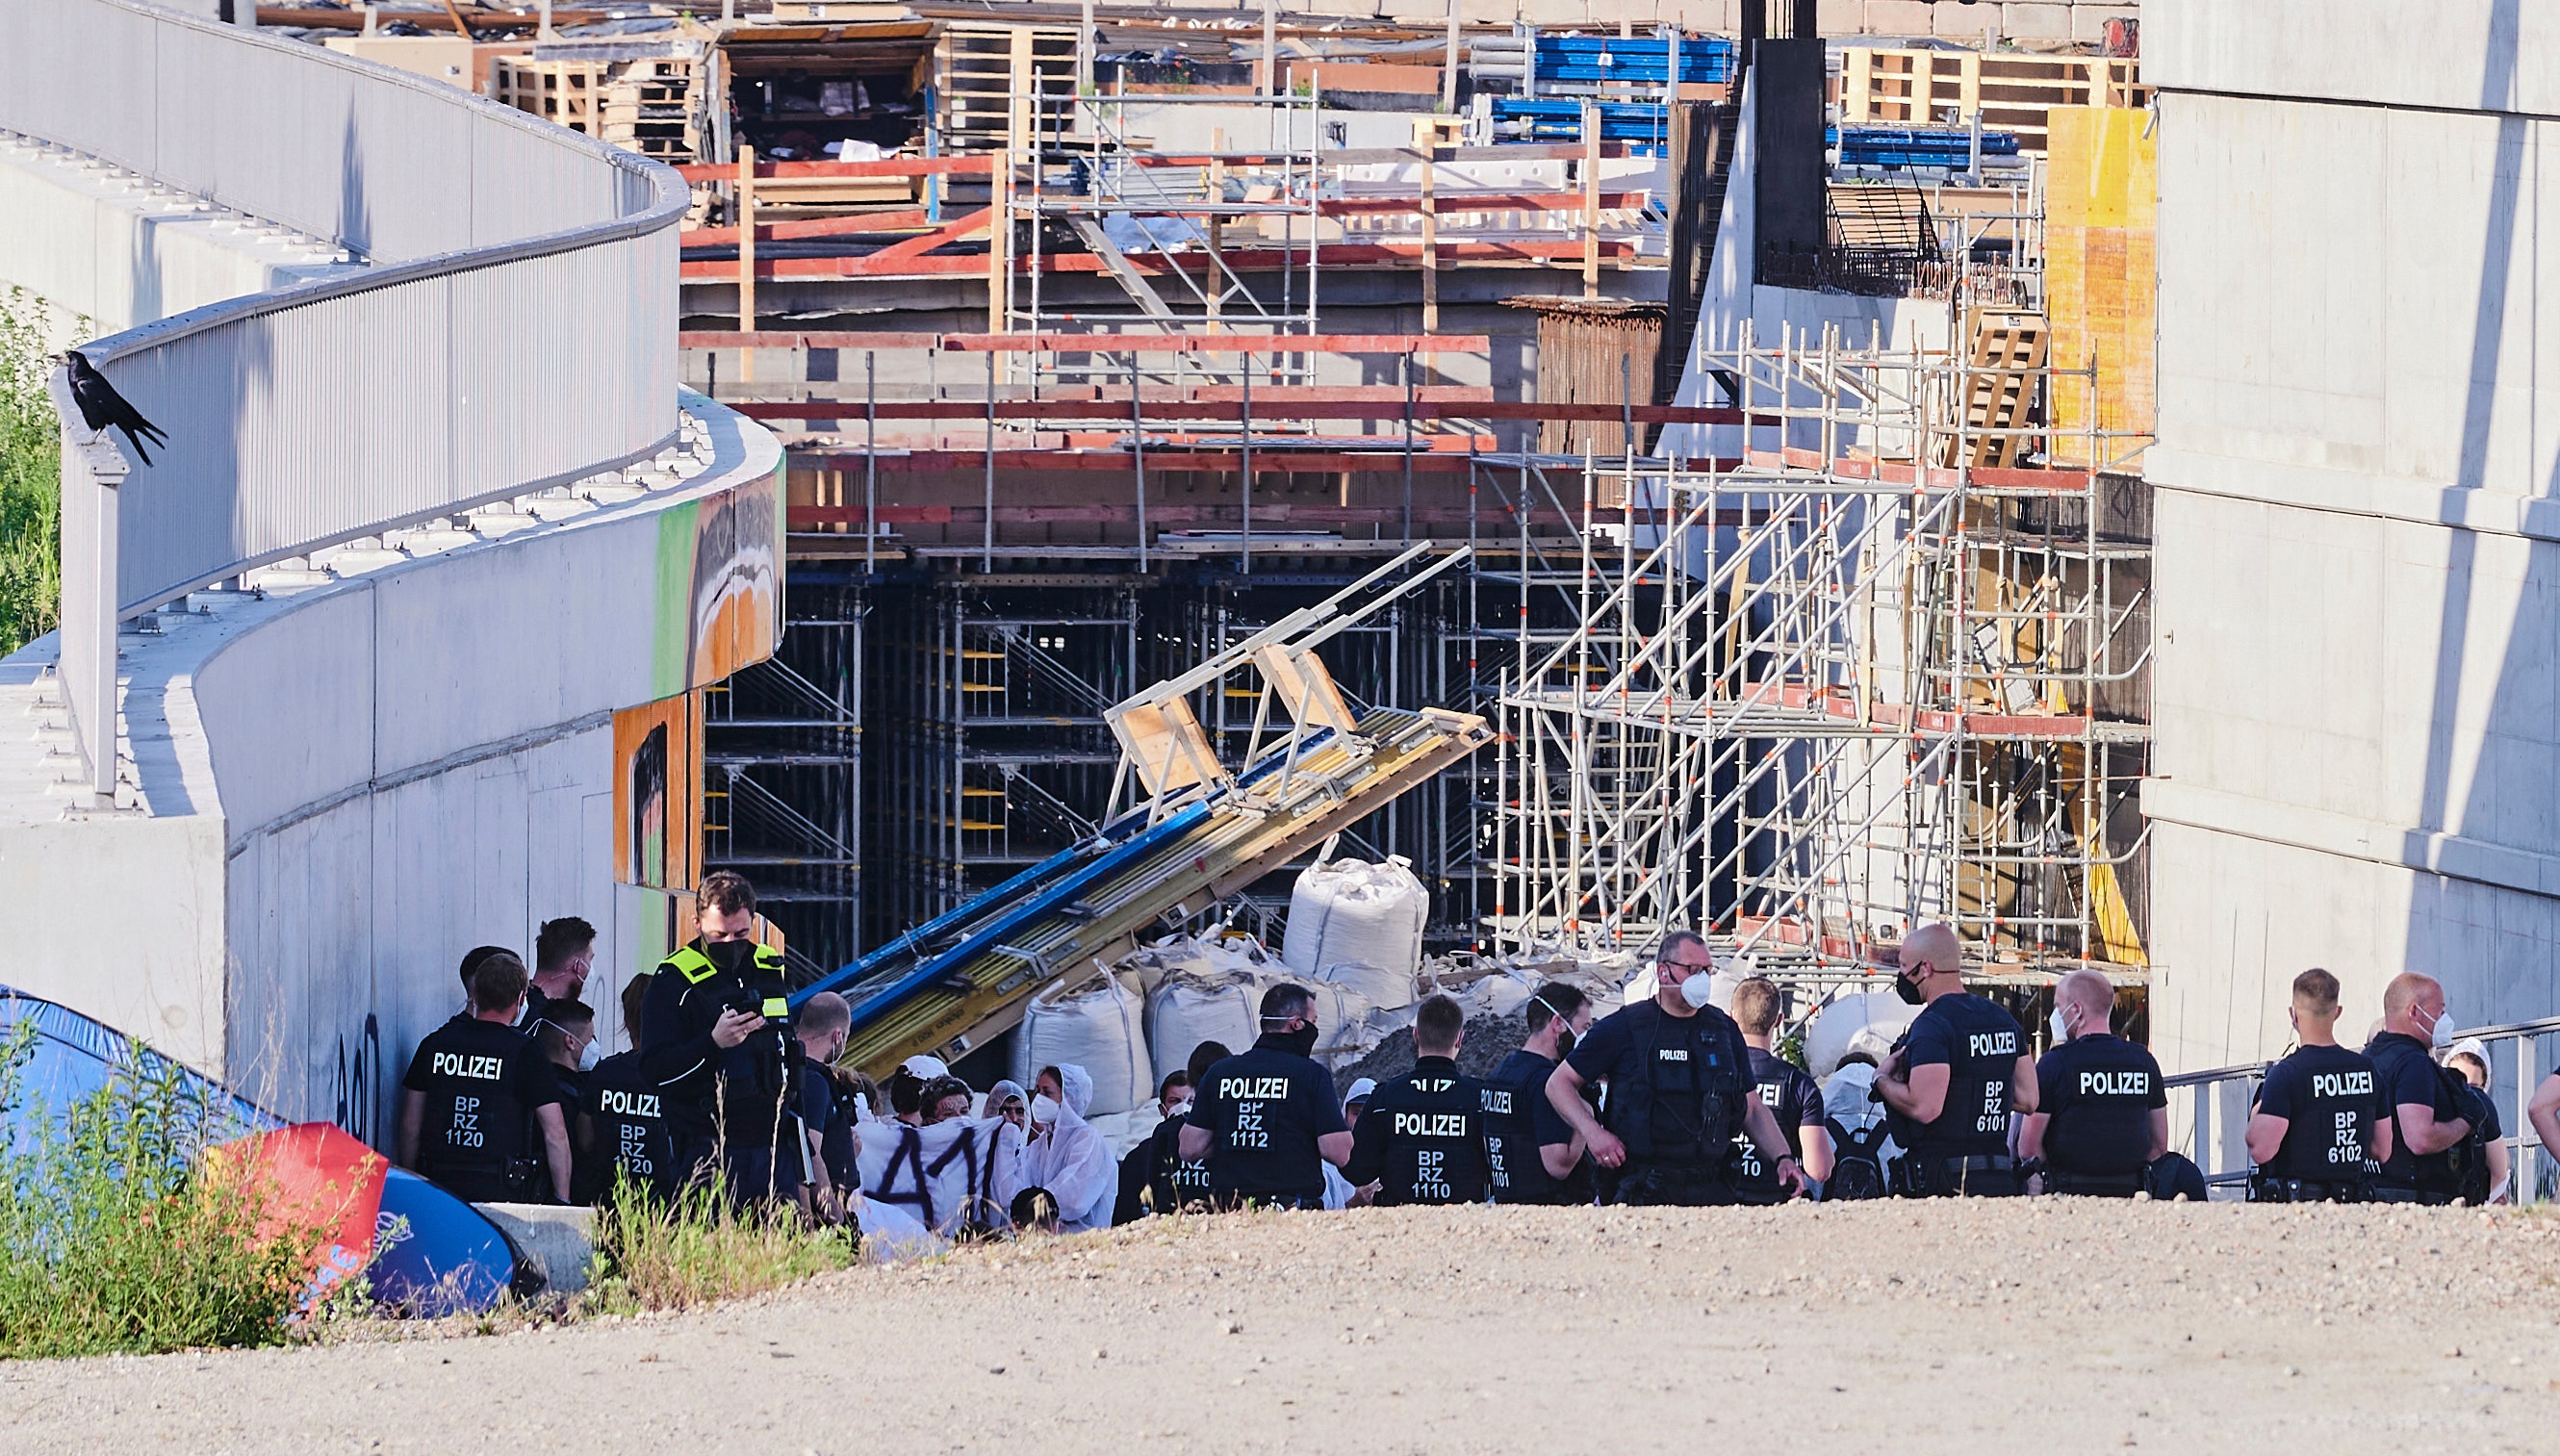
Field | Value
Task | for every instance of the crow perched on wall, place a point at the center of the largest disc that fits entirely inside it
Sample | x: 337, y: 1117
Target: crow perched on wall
x: 103, y: 407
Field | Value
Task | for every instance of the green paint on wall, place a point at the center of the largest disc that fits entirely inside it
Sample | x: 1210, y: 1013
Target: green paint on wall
x: 672, y: 658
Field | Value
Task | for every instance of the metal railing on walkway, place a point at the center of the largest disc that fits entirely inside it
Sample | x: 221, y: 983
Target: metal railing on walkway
x: 2211, y: 1126
x: 514, y: 329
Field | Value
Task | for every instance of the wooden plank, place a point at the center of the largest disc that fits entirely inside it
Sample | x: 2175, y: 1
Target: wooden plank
x: 883, y: 167
x: 1390, y: 407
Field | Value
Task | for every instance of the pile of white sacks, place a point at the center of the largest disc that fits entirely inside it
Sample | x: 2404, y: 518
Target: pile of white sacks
x: 1354, y: 936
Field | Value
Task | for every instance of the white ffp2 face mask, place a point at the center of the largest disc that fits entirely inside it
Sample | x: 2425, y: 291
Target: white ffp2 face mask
x: 1699, y: 989
x: 2062, y: 1031
x: 587, y: 1059
x: 1043, y: 1110
x: 2442, y: 1036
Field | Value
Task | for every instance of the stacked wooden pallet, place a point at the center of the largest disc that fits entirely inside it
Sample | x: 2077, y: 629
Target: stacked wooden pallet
x: 1883, y: 88
x: 983, y: 70
x: 645, y: 105
x: 2005, y: 364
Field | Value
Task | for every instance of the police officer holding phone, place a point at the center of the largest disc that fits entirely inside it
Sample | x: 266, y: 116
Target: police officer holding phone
x: 1680, y: 1086
x: 1953, y: 1078
x: 2320, y: 1124
x: 714, y: 1041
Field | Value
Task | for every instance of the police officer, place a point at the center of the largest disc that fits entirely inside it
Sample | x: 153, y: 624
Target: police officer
x: 1789, y: 1094
x: 1953, y: 1078
x: 1422, y: 1139
x: 1266, y: 1119
x: 824, y: 1023
x: 2101, y: 1116
x: 1535, y: 1156
x: 1680, y: 1086
x: 474, y: 1088
x: 1175, y: 1182
x: 715, y: 1041
x: 2319, y: 1125
x: 622, y: 1127
x: 2425, y: 1115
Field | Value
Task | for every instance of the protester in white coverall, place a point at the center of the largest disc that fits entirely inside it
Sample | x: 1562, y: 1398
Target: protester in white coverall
x: 1066, y: 1156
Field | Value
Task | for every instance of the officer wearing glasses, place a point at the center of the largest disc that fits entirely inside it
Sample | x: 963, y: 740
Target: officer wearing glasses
x: 1680, y: 1088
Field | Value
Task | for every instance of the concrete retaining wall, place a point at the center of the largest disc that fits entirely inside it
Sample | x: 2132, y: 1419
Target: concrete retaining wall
x: 2357, y: 626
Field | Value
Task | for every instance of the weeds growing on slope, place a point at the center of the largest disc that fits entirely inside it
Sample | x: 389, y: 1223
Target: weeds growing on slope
x: 657, y: 1254
x: 31, y: 585
x: 113, y: 1238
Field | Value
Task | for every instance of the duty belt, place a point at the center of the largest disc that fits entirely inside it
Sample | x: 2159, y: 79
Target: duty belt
x: 2094, y: 1185
x: 2264, y: 1190
x: 1924, y: 1175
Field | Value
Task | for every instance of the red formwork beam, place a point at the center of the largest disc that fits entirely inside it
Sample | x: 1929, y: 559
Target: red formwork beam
x: 883, y: 167
x: 1332, y: 255
x: 1383, y: 402
x: 1228, y: 343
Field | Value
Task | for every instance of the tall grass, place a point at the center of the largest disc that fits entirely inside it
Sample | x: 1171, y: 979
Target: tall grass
x: 113, y: 1235
x: 657, y: 1254
x: 31, y: 518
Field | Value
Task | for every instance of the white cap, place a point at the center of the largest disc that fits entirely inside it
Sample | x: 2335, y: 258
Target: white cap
x: 1359, y: 1092
x: 2469, y: 1046
x: 925, y: 1069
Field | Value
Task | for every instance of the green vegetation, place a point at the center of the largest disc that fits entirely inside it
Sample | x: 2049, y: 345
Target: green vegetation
x: 653, y: 1255
x: 30, y: 521
x: 116, y: 1236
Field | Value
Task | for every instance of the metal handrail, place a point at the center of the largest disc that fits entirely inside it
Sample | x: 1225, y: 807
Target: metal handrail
x: 2213, y: 1130
x: 513, y: 335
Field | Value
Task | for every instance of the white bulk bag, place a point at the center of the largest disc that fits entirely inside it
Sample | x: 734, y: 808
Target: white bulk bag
x: 1827, y: 1039
x: 1349, y: 910
x: 1347, y: 1027
x: 1187, y: 1010
x: 1376, y: 985
x: 1096, y: 1024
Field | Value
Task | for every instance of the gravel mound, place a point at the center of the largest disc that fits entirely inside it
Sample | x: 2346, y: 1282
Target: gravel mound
x: 1489, y: 1041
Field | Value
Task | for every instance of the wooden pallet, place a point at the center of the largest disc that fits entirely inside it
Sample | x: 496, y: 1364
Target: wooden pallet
x: 2007, y: 355
x: 1885, y: 88
x: 983, y: 70
x: 644, y: 106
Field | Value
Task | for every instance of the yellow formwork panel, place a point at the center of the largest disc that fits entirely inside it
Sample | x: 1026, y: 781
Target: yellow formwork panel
x: 2101, y: 272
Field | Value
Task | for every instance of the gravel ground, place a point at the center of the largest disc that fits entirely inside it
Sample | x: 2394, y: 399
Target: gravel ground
x: 2046, y: 1325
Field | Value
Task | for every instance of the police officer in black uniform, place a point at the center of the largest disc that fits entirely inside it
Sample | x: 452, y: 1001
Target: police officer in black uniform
x: 1175, y: 1182
x: 715, y: 1041
x: 2319, y: 1125
x: 1787, y: 1090
x: 474, y: 1089
x: 1680, y: 1086
x: 2101, y: 1116
x: 1265, y: 1119
x: 1422, y: 1139
x: 1953, y: 1078
x: 1535, y: 1155
x: 622, y: 1123
x: 2418, y: 1097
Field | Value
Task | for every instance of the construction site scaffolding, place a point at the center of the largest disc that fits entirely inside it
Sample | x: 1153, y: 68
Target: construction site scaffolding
x: 1857, y: 664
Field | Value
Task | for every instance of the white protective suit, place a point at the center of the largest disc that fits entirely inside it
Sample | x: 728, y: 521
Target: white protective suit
x: 937, y: 1179
x: 1072, y: 1161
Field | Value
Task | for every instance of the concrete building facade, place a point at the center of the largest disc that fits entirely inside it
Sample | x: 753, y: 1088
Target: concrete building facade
x: 2358, y: 544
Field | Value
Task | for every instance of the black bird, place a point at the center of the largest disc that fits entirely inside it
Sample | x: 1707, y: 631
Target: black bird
x: 104, y: 408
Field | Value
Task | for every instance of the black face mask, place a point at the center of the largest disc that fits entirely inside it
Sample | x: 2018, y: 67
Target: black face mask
x: 1302, y: 1041
x: 736, y: 958
x: 1564, y: 1042
x: 1908, y: 989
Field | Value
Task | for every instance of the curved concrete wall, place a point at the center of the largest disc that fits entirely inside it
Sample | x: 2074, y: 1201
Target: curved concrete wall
x: 343, y: 789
